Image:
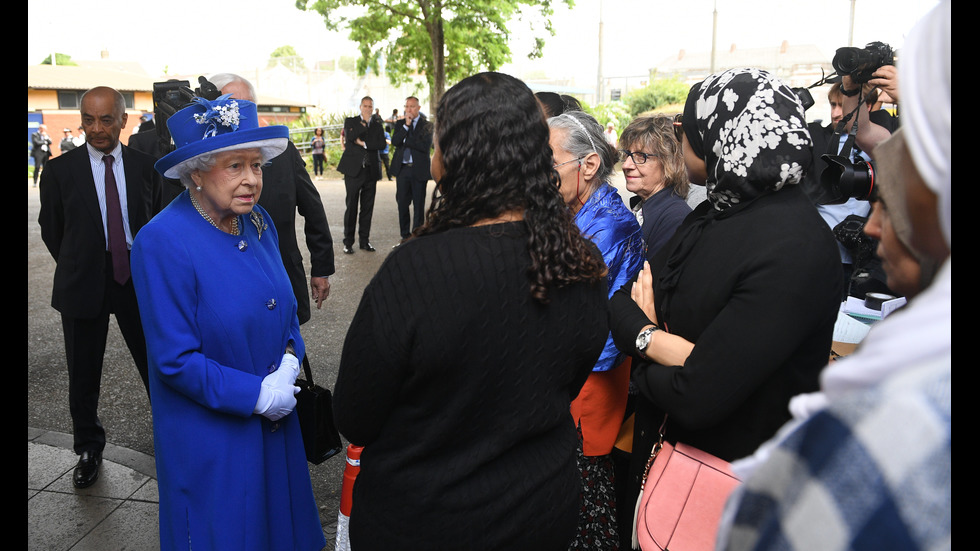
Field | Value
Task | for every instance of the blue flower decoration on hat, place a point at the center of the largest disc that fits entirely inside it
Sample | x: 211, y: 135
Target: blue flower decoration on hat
x: 224, y: 124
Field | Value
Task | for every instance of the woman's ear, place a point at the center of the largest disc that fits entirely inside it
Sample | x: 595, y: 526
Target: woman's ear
x: 590, y: 166
x: 196, y: 178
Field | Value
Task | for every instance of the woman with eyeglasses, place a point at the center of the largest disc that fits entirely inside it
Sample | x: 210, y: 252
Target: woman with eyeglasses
x: 654, y: 171
x: 584, y: 161
x: 735, y: 314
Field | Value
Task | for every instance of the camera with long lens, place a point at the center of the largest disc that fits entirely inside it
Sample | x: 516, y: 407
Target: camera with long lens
x: 861, y: 63
x: 845, y: 179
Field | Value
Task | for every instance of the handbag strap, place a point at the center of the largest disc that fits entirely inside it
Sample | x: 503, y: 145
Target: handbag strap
x: 307, y: 370
x: 653, y: 453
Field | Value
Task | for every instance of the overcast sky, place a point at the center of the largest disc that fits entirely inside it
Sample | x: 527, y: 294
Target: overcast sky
x: 203, y: 36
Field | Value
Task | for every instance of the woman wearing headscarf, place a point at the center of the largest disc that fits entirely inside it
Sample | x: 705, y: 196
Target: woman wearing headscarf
x: 654, y: 170
x: 864, y: 485
x: 584, y: 162
x: 470, y: 342
x: 735, y: 314
x: 223, y: 340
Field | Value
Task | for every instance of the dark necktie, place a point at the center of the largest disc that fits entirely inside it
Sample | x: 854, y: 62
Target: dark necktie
x: 407, y: 156
x: 114, y: 223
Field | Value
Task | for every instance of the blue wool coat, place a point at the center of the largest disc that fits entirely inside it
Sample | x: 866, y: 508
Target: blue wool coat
x: 217, y: 317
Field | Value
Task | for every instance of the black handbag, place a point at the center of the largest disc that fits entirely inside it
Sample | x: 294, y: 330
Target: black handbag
x: 314, y: 405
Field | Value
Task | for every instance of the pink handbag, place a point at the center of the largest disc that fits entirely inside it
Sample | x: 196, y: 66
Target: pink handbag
x: 681, y: 499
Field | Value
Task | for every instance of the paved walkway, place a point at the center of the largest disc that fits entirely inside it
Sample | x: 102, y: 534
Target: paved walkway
x: 119, y: 511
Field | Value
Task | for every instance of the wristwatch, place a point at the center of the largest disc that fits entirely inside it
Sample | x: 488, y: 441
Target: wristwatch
x: 643, y: 339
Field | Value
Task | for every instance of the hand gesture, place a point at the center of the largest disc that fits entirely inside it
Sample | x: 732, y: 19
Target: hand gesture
x: 886, y: 79
x: 642, y: 293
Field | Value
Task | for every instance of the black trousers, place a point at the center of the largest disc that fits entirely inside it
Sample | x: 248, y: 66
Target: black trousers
x: 39, y: 162
x: 410, y: 190
x: 85, y: 343
x: 386, y: 162
x: 361, y: 189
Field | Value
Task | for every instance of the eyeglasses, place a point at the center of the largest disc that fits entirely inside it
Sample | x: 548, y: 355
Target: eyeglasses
x: 572, y: 161
x: 638, y: 157
x: 678, y: 127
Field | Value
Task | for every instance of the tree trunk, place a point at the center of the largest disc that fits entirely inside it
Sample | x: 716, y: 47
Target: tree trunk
x: 438, y: 57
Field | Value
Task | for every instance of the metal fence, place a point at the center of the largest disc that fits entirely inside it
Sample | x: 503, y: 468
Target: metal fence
x: 302, y: 137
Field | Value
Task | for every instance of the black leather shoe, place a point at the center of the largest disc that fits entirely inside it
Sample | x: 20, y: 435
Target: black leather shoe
x: 87, y: 469
x: 368, y: 247
x: 348, y: 249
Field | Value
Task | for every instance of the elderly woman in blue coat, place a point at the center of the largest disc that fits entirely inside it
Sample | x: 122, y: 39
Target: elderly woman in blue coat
x: 584, y: 162
x: 223, y: 341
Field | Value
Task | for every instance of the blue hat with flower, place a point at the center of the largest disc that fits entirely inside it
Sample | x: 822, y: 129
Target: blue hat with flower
x: 224, y: 124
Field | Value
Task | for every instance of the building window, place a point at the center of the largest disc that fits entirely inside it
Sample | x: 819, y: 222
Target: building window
x: 68, y: 99
x: 71, y: 99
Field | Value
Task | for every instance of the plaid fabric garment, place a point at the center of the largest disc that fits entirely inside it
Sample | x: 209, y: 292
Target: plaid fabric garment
x: 870, y: 472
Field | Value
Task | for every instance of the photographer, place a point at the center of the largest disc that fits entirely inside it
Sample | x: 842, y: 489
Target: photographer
x: 842, y: 200
x: 833, y: 207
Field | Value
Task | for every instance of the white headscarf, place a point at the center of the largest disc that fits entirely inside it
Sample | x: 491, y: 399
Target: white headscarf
x: 926, y: 82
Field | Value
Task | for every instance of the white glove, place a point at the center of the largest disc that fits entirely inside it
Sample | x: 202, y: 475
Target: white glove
x: 277, y: 393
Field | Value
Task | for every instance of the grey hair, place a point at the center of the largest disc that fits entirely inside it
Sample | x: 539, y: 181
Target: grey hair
x: 221, y: 80
x: 584, y: 135
x: 204, y: 162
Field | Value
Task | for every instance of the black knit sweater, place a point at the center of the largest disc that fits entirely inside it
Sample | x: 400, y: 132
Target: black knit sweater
x: 458, y: 384
x: 758, y: 296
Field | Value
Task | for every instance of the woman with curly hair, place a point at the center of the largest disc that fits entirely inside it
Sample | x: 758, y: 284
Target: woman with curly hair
x: 470, y: 343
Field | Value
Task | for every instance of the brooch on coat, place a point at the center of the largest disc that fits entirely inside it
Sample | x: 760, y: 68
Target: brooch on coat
x: 259, y: 221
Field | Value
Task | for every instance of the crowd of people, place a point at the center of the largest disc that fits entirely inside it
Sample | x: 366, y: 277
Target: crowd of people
x: 534, y: 335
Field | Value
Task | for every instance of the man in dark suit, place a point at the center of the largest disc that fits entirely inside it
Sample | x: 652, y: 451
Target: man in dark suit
x: 364, y: 138
x: 412, y: 140
x: 286, y: 188
x: 94, y: 199
x: 40, y: 150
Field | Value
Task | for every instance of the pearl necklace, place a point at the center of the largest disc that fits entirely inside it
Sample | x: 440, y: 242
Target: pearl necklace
x: 200, y: 210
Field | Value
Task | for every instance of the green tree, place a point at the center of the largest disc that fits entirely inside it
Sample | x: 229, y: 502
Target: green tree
x: 288, y: 58
x: 60, y: 59
x: 613, y: 111
x: 446, y: 40
x: 659, y: 93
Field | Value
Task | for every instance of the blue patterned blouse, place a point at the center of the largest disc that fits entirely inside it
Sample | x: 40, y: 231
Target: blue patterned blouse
x: 608, y: 222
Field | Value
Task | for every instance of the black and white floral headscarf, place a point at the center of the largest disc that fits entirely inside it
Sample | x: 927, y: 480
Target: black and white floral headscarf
x: 750, y: 130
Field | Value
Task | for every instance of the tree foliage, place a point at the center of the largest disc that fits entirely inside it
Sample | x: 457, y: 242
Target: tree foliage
x: 288, y: 58
x: 612, y: 111
x: 659, y: 93
x: 445, y: 40
x: 60, y: 59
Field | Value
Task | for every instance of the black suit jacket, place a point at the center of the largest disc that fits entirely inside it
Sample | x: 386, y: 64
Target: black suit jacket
x: 419, y: 140
x: 71, y: 224
x: 286, y: 187
x: 355, y: 156
x: 148, y: 142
